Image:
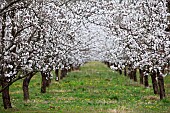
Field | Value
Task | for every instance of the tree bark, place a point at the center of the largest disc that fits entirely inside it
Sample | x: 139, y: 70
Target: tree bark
x: 131, y: 74
x: 57, y: 74
x: 5, y: 95
x: 168, y: 6
x: 134, y: 75
x: 125, y: 71
x: 26, y: 82
x: 4, y: 81
x: 44, y: 82
x: 154, y: 82
x: 141, y: 76
x: 107, y: 63
x: 146, y: 83
x: 161, y: 86
x: 63, y: 73
x: 120, y: 71
x: 48, y: 75
x: 70, y: 69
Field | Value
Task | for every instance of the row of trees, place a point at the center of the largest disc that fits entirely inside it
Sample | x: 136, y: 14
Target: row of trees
x: 45, y: 35
x: 144, y: 42
x: 37, y: 36
x: 137, y: 37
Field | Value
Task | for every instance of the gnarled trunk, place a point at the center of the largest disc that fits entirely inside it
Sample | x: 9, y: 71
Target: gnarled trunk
x: 5, y: 94
x: 25, y: 87
x: 154, y: 82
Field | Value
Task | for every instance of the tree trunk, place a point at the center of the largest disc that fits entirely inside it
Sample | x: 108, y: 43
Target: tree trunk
x: 131, y: 74
x: 26, y: 86
x: 125, y: 71
x: 120, y: 71
x: 72, y: 68
x: 43, y: 83
x: 63, y: 73
x: 4, y: 81
x: 134, y: 75
x: 69, y: 70
x: 141, y: 76
x: 161, y: 86
x: 57, y: 74
x: 146, y: 83
x: 48, y: 82
x: 48, y: 75
x: 154, y: 82
x: 76, y: 68
x: 107, y: 63
x: 5, y: 95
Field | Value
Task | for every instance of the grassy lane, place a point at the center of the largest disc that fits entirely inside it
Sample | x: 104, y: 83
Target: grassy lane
x: 93, y: 89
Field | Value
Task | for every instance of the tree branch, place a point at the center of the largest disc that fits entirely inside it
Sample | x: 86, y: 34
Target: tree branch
x: 9, y: 5
x: 14, y: 80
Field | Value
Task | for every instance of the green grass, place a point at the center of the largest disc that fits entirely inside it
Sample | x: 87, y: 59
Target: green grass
x: 93, y: 89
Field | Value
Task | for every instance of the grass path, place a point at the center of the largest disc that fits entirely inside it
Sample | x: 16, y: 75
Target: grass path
x: 93, y: 89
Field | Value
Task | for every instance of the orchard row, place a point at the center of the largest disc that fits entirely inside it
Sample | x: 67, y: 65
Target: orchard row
x: 45, y: 35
